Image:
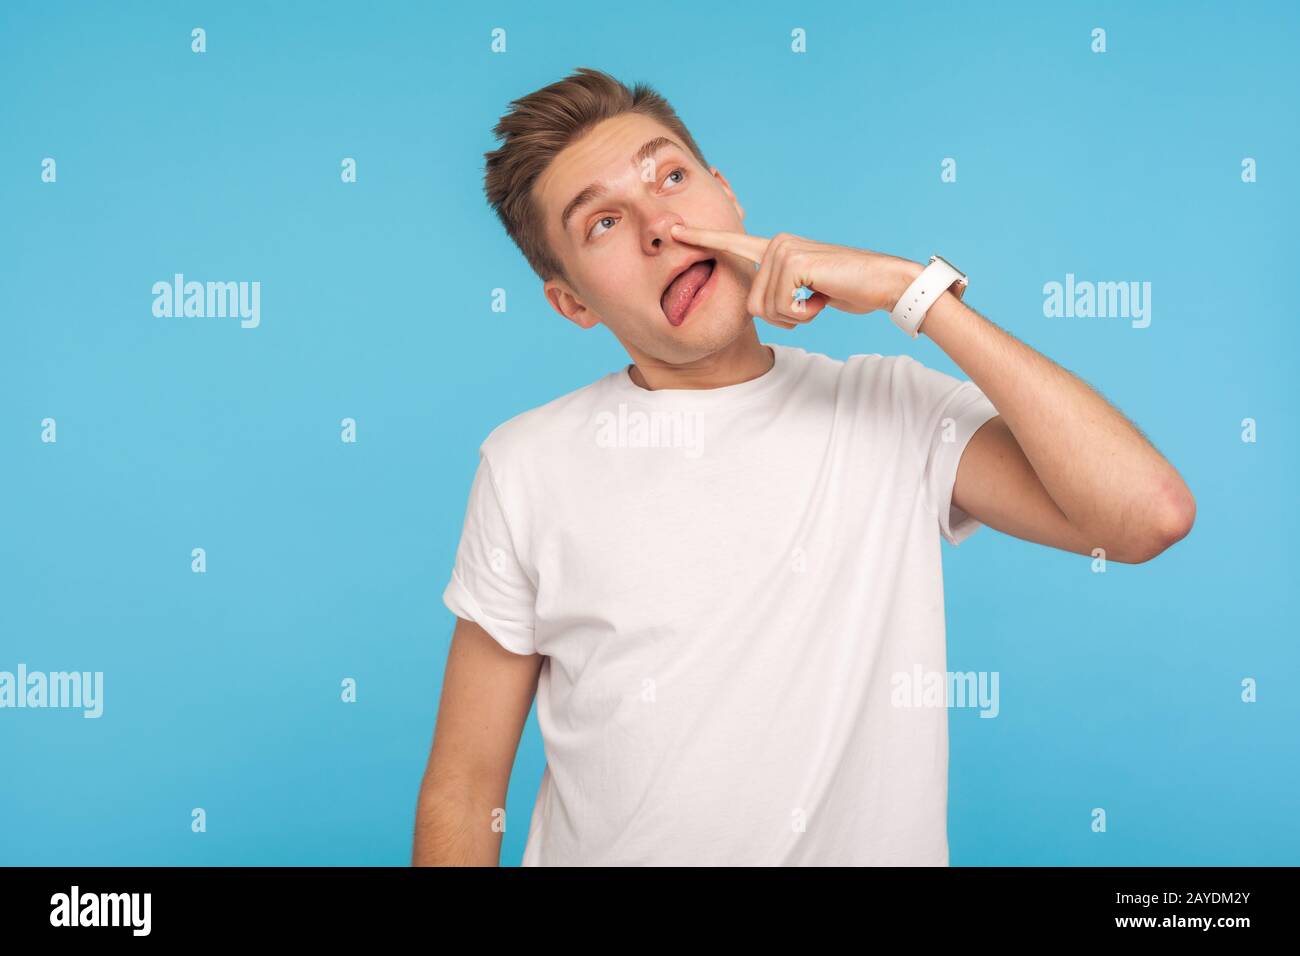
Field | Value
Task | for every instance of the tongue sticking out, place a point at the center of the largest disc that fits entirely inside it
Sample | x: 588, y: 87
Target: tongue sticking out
x: 677, y: 298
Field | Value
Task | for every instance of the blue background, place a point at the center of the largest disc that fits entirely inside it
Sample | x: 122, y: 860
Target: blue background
x: 327, y: 560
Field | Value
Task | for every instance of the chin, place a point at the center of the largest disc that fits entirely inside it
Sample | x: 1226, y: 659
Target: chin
x: 712, y: 330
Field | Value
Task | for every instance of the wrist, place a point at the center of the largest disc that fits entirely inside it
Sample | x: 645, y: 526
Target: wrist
x: 903, y: 273
x: 925, y: 292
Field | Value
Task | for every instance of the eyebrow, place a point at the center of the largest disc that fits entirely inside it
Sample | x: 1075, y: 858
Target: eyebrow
x: 595, y: 190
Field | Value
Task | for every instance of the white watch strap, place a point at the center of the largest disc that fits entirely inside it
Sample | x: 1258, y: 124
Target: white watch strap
x: 925, y: 289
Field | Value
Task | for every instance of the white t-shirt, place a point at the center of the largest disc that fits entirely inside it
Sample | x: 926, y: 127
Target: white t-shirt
x: 724, y: 583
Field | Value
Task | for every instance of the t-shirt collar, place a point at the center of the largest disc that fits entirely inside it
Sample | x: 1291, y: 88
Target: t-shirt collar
x: 782, y: 367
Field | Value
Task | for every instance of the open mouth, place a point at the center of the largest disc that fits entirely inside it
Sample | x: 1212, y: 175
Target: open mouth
x: 686, y: 290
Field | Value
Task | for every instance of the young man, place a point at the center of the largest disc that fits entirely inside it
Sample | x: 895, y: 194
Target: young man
x: 711, y: 565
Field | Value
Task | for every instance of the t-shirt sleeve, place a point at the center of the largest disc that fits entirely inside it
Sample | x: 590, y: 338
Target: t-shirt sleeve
x: 489, y: 584
x: 947, y: 412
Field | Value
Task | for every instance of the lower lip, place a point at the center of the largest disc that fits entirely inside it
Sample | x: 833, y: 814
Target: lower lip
x: 701, y: 295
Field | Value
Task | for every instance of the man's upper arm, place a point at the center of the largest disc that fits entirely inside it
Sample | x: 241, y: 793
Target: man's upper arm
x: 997, y: 486
x: 487, y: 692
x: 489, y: 582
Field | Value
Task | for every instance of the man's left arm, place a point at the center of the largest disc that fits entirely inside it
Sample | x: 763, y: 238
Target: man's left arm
x: 1059, y: 465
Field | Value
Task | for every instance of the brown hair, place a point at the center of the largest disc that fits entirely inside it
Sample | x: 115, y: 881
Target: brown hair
x: 542, y: 124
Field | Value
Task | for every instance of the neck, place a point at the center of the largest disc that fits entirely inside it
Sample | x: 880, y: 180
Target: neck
x: 744, y: 359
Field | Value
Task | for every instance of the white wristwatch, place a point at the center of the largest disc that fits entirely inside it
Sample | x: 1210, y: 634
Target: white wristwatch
x: 937, y: 278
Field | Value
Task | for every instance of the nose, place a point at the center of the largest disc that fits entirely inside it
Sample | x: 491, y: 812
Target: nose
x: 659, y: 231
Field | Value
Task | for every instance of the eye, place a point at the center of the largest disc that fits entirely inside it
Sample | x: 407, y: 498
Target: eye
x: 593, y: 234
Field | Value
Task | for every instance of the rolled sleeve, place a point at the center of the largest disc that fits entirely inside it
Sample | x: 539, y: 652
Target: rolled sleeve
x: 489, y: 584
x: 959, y: 419
x: 940, y: 413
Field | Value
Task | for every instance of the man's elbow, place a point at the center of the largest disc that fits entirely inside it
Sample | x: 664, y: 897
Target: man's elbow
x: 1177, y: 518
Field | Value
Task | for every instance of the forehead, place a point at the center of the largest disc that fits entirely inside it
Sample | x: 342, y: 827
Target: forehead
x: 602, y: 154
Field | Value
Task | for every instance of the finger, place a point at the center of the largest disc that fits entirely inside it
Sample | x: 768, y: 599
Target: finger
x: 811, y: 307
x: 757, y: 305
x: 738, y: 243
x: 758, y: 298
x: 779, y: 294
x: 787, y: 305
x: 791, y: 274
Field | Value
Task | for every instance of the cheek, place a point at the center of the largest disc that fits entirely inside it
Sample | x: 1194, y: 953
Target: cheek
x: 619, y: 301
x: 739, y: 274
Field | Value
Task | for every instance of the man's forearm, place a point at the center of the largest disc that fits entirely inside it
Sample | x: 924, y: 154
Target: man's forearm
x: 1103, y: 474
x: 453, y: 827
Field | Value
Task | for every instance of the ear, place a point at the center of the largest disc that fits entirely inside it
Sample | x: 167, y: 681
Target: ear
x: 568, y: 305
x: 726, y: 186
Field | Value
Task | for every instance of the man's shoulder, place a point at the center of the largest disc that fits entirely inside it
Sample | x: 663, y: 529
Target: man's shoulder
x: 898, y: 373
x: 896, y: 389
x: 860, y: 368
x: 866, y: 362
x: 530, y: 432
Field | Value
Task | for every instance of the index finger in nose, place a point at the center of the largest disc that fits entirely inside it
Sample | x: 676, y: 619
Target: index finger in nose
x: 739, y: 243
